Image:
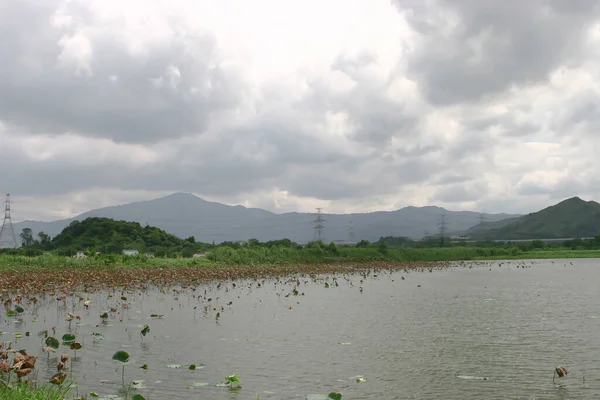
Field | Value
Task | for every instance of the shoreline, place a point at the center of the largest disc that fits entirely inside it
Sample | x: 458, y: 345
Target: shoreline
x: 91, y: 279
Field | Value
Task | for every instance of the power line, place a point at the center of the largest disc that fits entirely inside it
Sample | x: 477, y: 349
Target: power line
x: 319, y: 226
x: 7, y: 232
x: 442, y: 227
x: 351, y: 232
x: 481, y: 219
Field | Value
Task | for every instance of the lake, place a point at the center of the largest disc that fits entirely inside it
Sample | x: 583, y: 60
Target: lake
x: 431, y: 335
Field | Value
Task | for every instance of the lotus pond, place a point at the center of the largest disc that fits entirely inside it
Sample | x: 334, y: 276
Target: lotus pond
x: 491, y: 330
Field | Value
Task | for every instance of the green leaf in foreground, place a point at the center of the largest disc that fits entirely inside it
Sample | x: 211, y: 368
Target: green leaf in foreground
x: 335, y: 396
x: 68, y: 338
x: 19, y: 309
x: 11, y: 313
x: 52, y: 342
x: 233, y: 379
x: 121, y: 356
x: 138, y: 397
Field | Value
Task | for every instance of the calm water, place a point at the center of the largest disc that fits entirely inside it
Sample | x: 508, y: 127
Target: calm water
x: 511, y: 325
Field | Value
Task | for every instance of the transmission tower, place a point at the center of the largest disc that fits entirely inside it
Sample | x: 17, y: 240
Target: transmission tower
x: 319, y: 225
x: 481, y: 219
x: 442, y: 228
x: 351, y: 232
x: 7, y: 233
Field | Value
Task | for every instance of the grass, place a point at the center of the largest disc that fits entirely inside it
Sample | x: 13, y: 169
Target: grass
x: 251, y: 256
x: 26, y: 392
x: 49, y: 272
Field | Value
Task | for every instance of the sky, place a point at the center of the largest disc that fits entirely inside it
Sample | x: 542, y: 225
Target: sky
x: 349, y: 105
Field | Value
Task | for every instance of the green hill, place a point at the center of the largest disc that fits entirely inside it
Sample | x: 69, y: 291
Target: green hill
x: 481, y: 228
x: 573, y: 217
x: 109, y: 236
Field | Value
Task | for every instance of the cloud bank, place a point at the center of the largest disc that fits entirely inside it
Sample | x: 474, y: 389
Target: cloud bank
x: 356, y: 105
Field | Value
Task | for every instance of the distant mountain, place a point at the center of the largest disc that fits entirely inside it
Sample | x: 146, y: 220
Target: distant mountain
x: 187, y: 215
x: 573, y: 217
x: 484, y: 227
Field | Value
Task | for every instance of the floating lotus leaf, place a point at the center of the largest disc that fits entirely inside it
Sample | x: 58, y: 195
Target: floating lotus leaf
x: 68, y: 338
x: 197, y: 385
x: 334, y: 396
x: 145, y: 330
x: 11, y: 313
x: 121, y: 356
x: 138, y: 397
x: 97, y: 336
x: 19, y: 309
x: 476, y: 378
x: 52, y: 342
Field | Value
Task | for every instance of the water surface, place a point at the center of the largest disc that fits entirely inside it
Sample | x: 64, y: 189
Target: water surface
x: 410, y: 338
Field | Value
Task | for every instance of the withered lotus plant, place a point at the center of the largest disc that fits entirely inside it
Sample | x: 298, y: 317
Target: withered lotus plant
x: 23, y: 363
x: 58, y: 378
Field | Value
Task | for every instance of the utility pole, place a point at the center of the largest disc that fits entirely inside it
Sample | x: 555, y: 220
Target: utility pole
x: 442, y: 227
x: 7, y: 232
x: 319, y: 226
x: 351, y: 232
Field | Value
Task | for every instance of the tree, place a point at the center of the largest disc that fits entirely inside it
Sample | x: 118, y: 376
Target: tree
x: 44, y: 238
x: 27, y: 237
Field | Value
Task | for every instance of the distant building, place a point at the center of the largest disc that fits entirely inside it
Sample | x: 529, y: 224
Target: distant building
x: 149, y: 254
x: 344, y: 243
x: 459, y: 237
x: 80, y: 254
x: 199, y: 255
x: 130, y: 252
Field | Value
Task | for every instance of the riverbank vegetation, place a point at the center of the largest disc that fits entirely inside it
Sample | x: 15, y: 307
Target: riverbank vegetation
x: 99, y: 243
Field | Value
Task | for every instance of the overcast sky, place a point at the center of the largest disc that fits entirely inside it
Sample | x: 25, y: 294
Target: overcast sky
x: 350, y: 105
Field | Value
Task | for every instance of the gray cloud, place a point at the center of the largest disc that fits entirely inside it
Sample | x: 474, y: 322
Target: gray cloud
x: 171, y: 91
x: 455, y: 134
x: 470, y: 49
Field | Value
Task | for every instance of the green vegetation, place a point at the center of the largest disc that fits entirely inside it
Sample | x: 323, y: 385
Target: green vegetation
x: 570, y: 218
x: 25, y: 391
x: 101, y: 241
x: 108, y: 236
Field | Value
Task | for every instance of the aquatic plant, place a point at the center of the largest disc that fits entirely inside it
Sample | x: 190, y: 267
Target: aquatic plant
x: 334, y: 396
x: 25, y: 391
x: 560, y: 371
x: 231, y: 380
x: 123, y: 358
x: 75, y: 346
x: 145, y: 330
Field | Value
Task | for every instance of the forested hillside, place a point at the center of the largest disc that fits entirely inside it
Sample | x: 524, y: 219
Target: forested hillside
x: 109, y: 236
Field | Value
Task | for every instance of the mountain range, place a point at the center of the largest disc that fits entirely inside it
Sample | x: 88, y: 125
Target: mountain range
x: 185, y: 215
x: 570, y: 218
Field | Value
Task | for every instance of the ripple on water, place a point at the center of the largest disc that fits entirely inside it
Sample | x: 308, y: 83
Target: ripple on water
x: 509, y: 325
